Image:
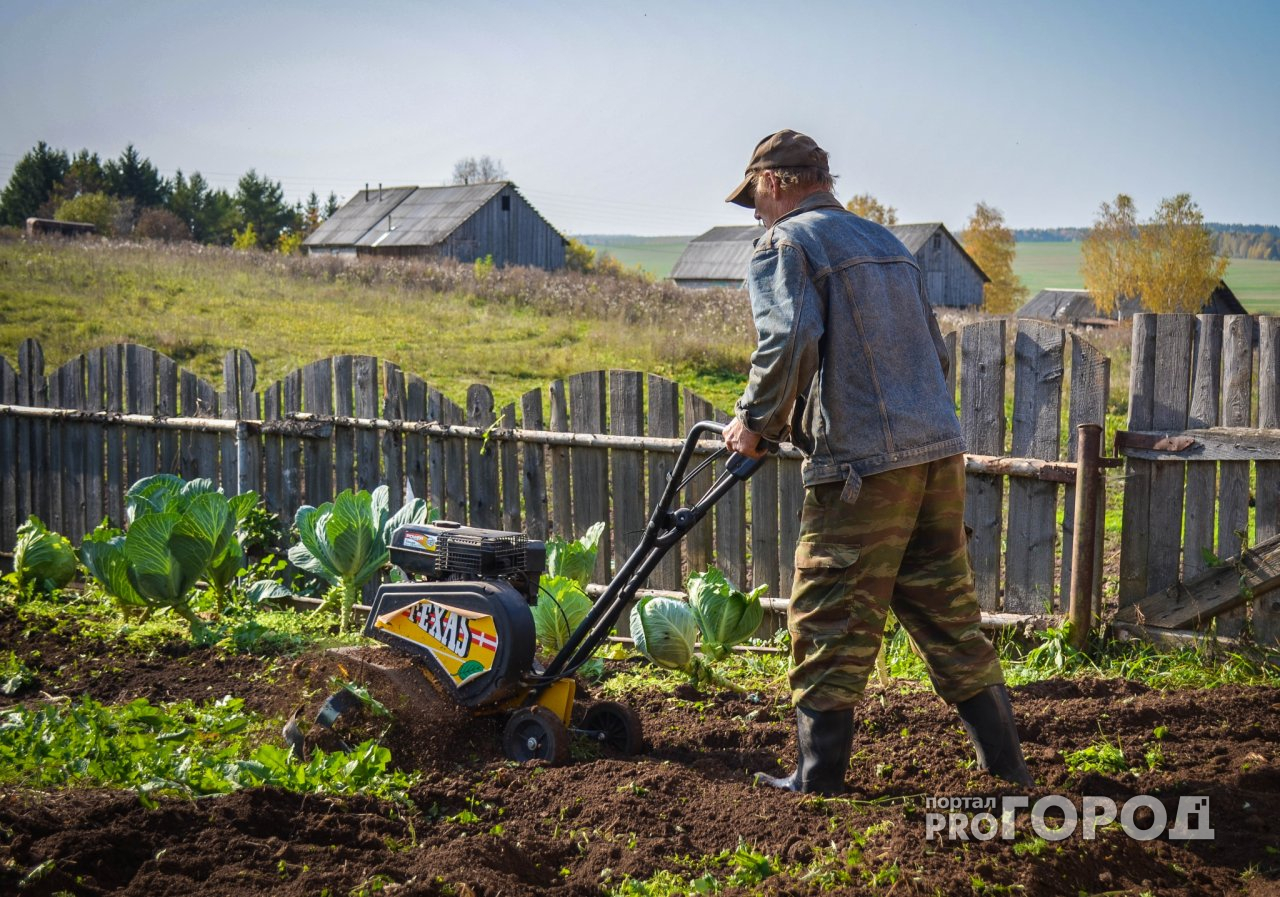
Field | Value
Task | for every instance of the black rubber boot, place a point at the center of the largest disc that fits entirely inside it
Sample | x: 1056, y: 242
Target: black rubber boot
x: 824, y: 741
x: 988, y: 718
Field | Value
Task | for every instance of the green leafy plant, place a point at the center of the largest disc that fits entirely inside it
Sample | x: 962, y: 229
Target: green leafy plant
x: 14, y: 675
x: 725, y: 616
x: 42, y: 560
x: 345, y: 541
x: 575, y: 560
x: 1101, y: 757
x: 561, y: 608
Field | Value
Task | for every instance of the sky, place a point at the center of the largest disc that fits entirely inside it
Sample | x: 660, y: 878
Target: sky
x: 639, y: 117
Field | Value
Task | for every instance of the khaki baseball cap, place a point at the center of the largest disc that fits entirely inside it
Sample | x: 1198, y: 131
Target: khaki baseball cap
x: 785, y: 149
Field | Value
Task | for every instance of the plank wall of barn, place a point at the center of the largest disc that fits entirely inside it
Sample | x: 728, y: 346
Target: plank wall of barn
x: 517, y: 236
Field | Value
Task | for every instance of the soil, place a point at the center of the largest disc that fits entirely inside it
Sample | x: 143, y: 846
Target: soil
x: 481, y: 825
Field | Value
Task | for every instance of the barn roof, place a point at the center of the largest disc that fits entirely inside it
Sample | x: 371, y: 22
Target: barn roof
x: 405, y: 216
x: 1078, y: 305
x: 723, y: 253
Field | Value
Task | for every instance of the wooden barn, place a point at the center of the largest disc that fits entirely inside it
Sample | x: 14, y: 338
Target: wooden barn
x: 1071, y: 306
x: 719, y: 258
x: 461, y: 222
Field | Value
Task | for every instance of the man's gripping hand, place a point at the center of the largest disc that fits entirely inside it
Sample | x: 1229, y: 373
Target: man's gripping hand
x: 743, y: 441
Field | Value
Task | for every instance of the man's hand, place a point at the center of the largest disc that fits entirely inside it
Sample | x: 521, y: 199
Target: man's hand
x: 741, y: 440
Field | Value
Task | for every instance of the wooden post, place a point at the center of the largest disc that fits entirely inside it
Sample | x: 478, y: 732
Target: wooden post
x: 1266, y: 609
x: 982, y: 385
x: 1233, y: 487
x: 1084, y: 541
x: 1090, y: 386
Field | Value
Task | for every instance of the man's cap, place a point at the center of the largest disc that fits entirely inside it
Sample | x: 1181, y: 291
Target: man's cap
x: 785, y: 149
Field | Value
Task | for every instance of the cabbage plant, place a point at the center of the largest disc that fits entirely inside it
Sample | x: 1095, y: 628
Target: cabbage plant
x: 102, y: 553
x: 345, y: 541
x: 725, y: 616
x: 561, y: 608
x: 575, y: 560
x: 42, y: 559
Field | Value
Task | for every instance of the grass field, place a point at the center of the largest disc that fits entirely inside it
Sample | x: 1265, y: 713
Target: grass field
x: 511, y: 330
x: 1256, y: 283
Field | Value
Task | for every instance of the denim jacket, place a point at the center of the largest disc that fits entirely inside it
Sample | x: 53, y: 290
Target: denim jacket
x: 850, y: 364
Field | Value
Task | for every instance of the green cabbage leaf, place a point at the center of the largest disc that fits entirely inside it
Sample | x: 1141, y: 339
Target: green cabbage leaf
x: 42, y: 558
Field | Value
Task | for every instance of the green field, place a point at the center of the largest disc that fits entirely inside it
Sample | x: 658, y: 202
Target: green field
x: 1256, y: 283
x: 657, y: 255
x: 1039, y: 265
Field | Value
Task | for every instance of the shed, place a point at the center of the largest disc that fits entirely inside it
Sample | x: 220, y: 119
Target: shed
x: 1073, y: 306
x: 719, y: 258
x: 465, y: 222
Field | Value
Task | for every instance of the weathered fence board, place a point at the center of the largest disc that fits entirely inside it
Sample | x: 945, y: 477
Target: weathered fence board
x: 1233, y: 476
x: 1037, y: 426
x: 1202, y: 479
x: 344, y: 438
x: 482, y: 462
x: 533, y: 478
x: 291, y: 446
x: 699, y: 540
x: 1134, y: 533
x: 764, y: 529
x: 562, y: 488
x: 590, y: 465
x: 790, y: 502
x: 393, y: 402
x: 664, y: 421
x: 1266, y: 609
x: 731, y: 526
x: 509, y: 461
x: 415, y: 444
x: 982, y: 420
x: 626, y: 418
x: 1174, y: 335
x: 273, y: 455
x: 368, y: 473
x: 8, y: 451
x: 114, y: 376
x: 167, y: 406
x: 1090, y: 386
x: 317, y: 398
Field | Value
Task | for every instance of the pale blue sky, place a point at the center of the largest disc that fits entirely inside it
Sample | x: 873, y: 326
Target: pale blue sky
x: 639, y: 117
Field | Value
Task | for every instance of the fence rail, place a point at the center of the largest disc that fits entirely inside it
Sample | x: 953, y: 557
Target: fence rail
x: 594, y: 446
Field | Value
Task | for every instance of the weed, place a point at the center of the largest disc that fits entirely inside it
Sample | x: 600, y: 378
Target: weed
x: 14, y: 675
x: 1100, y: 757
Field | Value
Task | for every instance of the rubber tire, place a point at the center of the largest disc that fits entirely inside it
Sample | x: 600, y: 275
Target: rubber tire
x: 619, y: 724
x: 537, y: 724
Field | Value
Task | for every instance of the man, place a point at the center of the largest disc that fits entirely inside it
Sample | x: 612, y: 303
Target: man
x: 850, y: 366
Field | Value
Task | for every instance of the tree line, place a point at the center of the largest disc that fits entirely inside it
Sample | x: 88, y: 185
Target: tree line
x: 127, y: 196
x: 1237, y: 241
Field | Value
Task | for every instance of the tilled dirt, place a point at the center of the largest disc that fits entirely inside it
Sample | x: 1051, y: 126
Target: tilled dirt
x: 481, y: 825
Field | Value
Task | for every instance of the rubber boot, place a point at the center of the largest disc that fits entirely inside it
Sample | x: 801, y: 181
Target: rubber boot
x: 824, y: 741
x: 988, y: 718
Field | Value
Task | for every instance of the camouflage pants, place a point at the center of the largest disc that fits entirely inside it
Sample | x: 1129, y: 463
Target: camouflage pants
x: 900, y: 545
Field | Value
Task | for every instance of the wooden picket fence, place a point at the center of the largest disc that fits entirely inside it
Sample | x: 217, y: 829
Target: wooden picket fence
x: 1203, y: 411
x: 356, y: 422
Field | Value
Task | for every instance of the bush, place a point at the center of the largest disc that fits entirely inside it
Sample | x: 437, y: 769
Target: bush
x: 161, y: 224
x: 98, y: 209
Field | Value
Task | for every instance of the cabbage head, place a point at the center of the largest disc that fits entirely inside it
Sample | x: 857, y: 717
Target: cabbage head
x: 42, y: 558
x: 665, y: 631
x: 561, y: 608
x: 726, y: 616
x: 575, y: 560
